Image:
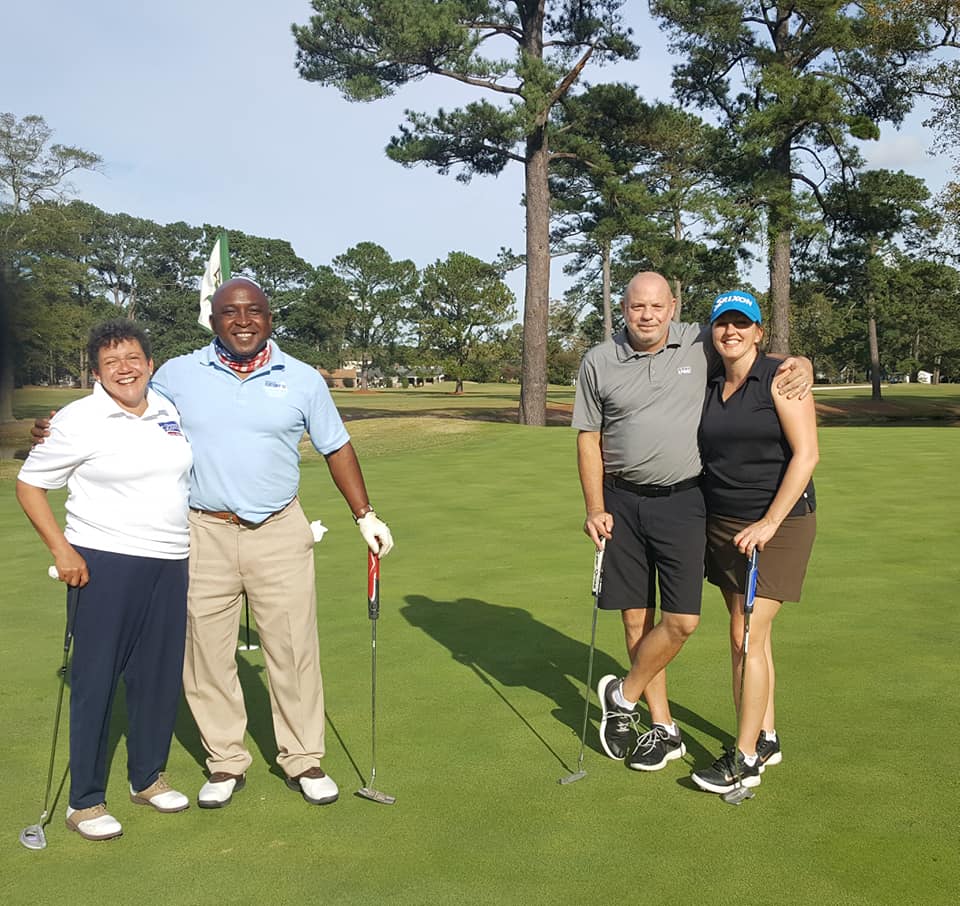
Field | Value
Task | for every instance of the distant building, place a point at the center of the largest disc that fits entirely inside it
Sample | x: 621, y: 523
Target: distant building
x: 340, y: 378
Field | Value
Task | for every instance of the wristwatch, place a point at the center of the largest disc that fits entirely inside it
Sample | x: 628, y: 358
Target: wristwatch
x: 366, y: 508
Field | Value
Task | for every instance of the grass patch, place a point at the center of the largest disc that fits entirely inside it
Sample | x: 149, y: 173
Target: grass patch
x: 482, y: 657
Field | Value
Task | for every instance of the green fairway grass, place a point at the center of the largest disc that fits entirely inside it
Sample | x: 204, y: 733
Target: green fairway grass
x: 482, y: 645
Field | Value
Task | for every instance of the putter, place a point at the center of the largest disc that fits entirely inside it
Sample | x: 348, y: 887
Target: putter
x: 33, y: 837
x: 580, y: 773
x: 373, y: 611
x: 740, y: 792
x: 246, y: 646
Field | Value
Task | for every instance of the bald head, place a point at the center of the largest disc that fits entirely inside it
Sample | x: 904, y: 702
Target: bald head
x: 648, y: 307
x: 648, y: 284
x: 241, y: 317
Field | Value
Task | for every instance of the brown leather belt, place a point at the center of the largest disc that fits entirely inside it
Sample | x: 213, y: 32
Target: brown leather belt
x: 233, y: 518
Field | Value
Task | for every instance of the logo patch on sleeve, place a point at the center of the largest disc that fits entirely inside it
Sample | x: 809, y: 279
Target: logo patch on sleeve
x: 172, y: 428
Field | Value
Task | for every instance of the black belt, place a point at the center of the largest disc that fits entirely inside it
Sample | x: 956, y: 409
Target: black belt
x: 650, y: 490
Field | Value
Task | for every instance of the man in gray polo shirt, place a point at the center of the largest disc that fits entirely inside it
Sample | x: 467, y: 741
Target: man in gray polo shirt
x: 638, y: 403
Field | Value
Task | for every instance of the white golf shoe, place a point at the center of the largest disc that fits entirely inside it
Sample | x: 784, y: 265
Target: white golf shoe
x: 315, y: 786
x: 93, y: 823
x: 161, y: 796
x: 219, y: 789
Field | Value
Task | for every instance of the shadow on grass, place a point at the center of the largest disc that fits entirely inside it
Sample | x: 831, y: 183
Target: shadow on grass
x: 507, y: 647
x: 256, y: 698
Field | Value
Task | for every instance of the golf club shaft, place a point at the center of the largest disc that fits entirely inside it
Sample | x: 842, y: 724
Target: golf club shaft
x: 748, y: 602
x: 373, y: 611
x: 595, y: 589
x: 73, y: 598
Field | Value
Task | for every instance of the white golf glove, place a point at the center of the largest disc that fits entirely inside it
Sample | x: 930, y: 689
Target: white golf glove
x: 376, y: 533
x: 319, y: 530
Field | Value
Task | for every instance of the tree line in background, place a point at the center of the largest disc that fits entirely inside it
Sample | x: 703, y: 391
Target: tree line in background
x: 790, y: 87
x: 861, y: 279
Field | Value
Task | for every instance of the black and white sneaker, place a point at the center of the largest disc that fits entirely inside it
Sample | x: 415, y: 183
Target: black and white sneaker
x: 721, y: 776
x: 768, y: 750
x: 617, y: 727
x: 655, y: 748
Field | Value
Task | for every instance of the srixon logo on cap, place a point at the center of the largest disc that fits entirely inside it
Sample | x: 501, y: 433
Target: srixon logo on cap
x: 743, y: 299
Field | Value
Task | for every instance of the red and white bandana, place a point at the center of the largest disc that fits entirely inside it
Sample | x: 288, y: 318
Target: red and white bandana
x: 241, y: 366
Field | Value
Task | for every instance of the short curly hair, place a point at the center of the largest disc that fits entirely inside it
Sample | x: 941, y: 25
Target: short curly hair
x: 110, y: 333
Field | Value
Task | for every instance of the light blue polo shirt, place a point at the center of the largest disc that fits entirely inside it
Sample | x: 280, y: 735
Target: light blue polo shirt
x: 245, y: 433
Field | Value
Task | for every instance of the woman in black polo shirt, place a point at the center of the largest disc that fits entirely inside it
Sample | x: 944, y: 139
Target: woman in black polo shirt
x: 759, y: 450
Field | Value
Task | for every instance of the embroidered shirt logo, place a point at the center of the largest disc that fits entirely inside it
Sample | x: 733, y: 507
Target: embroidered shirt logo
x: 275, y: 388
x: 685, y: 369
x: 172, y: 428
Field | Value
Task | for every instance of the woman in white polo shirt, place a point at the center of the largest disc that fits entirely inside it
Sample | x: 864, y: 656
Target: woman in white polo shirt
x: 126, y: 464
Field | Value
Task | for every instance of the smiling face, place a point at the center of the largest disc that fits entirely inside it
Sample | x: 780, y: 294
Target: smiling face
x: 735, y: 336
x: 124, y: 372
x: 648, y: 307
x: 241, y: 317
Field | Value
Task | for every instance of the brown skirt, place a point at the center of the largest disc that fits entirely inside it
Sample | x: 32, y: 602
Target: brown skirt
x: 781, y: 565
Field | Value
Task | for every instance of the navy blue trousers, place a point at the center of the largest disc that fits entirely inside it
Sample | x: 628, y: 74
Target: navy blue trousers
x: 131, y: 622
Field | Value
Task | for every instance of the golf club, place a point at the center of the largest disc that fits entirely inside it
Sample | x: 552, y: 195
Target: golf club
x: 580, y: 773
x: 246, y: 646
x: 740, y: 792
x: 33, y: 837
x: 373, y: 611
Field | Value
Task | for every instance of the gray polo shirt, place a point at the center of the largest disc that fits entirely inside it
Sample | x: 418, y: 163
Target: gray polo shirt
x: 647, y: 407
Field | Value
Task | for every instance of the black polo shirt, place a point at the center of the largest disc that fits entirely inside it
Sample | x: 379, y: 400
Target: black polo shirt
x: 745, y: 453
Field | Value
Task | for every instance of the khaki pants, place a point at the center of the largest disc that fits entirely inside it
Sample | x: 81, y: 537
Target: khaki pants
x: 273, y: 564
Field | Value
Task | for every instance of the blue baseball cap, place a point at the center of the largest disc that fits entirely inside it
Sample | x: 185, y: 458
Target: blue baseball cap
x: 736, y: 300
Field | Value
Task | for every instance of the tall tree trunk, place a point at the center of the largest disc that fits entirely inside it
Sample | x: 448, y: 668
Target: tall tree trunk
x: 6, y: 346
x: 6, y: 371
x: 533, y: 365
x: 936, y: 368
x: 607, y: 309
x: 874, y: 355
x: 677, y: 283
x: 84, y: 368
x: 779, y: 233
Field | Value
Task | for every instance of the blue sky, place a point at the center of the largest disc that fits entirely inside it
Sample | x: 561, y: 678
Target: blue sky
x: 199, y: 115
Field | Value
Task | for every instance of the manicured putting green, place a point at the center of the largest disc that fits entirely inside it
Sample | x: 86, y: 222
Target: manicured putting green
x: 482, y: 645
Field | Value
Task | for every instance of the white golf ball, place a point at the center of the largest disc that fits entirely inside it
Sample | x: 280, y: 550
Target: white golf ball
x: 52, y: 573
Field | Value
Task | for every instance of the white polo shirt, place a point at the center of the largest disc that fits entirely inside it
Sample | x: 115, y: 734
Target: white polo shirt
x: 128, y: 476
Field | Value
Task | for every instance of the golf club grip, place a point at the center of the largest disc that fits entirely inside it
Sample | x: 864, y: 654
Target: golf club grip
x: 373, y: 585
x: 751, y: 595
x: 598, y: 571
x: 73, y: 598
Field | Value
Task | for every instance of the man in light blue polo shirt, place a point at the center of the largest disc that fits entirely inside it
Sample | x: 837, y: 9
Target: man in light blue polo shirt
x: 245, y: 405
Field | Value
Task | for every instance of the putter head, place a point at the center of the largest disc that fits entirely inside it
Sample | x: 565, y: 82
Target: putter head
x: 376, y: 796
x: 737, y: 795
x: 245, y: 647
x: 572, y: 778
x: 33, y: 837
